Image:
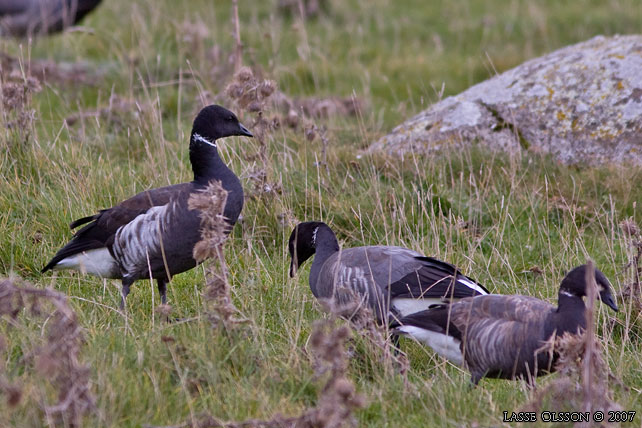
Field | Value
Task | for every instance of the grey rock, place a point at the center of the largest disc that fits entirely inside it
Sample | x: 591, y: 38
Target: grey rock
x: 582, y: 104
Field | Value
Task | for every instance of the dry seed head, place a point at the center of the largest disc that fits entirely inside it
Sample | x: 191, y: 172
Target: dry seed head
x: 163, y: 310
x: 194, y: 31
x: 244, y: 74
x: 267, y: 88
x: 234, y: 90
x: 310, y: 133
x: 14, y: 394
x: 292, y: 119
x: 629, y: 227
x: 254, y: 107
x: 211, y: 203
x: 32, y: 84
x: 344, y: 387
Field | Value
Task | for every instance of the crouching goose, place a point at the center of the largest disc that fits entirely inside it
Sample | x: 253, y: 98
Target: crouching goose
x: 153, y: 233
x: 502, y: 336
x: 392, y: 281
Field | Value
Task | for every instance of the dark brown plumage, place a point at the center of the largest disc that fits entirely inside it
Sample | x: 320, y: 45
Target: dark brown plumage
x: 153, y: 233
x: 499, y: 336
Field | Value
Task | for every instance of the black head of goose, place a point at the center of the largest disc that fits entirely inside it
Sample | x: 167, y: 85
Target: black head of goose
x: 391, y: 281
x: 153, y: 233
x: 502, y: 336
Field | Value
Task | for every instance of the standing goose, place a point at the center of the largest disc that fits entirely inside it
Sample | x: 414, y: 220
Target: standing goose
x: 502, y: 336
x: 154, y: 231
x: 392, y: 281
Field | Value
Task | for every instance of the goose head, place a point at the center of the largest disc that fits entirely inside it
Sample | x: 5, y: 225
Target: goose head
x: 214, y: 122
x: 574, y: 283
x: 303, y: 243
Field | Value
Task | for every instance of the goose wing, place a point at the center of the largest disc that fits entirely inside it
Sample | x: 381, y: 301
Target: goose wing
x: 100, y: 229
x: 496, y: 336
x: 375, y: 274
x: 351, y: 278
x: 501, y: 334
x: 427, y: 277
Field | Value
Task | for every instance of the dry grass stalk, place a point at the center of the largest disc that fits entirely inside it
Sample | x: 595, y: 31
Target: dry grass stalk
x: 48, y: 71
x: 306, y: 8
x: 338, y: 398
x: 583, y: 381
x: 211, y: 203
x: 57, y: 360
x: 633, y: 291
x: 363, y: 321
x: 119, y: 111
x: 238, y: 50
x: 315, y: 107
x: 17, y: 115
x: 251, y: 94
x: 193, y: 34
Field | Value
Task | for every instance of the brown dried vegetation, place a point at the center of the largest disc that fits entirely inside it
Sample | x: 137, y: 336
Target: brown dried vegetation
x: 633, y: 292
x: 251, y: 93
x: 337, y: 400
x: 17, y: 115
x: 52, y: 359
x: 211, y: 202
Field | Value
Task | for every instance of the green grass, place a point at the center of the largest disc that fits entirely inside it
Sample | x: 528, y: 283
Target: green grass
x: 494, y: 216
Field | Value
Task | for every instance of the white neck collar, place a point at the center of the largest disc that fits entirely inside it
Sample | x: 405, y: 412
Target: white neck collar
x: 199, y: 137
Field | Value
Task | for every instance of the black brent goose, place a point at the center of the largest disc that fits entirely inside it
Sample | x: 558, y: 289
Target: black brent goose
x: 502, y: 336
x: 392, y: 281
x: 154, y: 232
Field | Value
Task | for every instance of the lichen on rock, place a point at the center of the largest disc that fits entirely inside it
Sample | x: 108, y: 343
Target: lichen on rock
x: 582, y: 104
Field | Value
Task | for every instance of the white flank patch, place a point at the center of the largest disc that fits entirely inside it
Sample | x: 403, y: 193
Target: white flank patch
x: 95, y: 262
x: 199, y: 137
x: 141, y: 237
x: 472, y: 285
x: 406, y: 306
x: 444, y: 345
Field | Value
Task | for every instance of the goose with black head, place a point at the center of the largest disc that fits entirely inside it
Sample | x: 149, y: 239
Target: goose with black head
x: 502, y: 336
x: 391, y: 281
x: 153, y: 233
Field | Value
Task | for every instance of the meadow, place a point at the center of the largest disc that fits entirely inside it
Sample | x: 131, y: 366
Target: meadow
x: 113, y: 118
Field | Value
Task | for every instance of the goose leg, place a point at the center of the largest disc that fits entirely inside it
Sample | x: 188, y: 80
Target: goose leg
x: 395, y: 344
x: 162, y: 289
x: 474, y: 379
x: 127, y: 282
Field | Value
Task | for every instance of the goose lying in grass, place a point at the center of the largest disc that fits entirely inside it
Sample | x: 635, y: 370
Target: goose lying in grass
x: 153, y: 233
x: 500, y: 336
x: 391, y: 281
